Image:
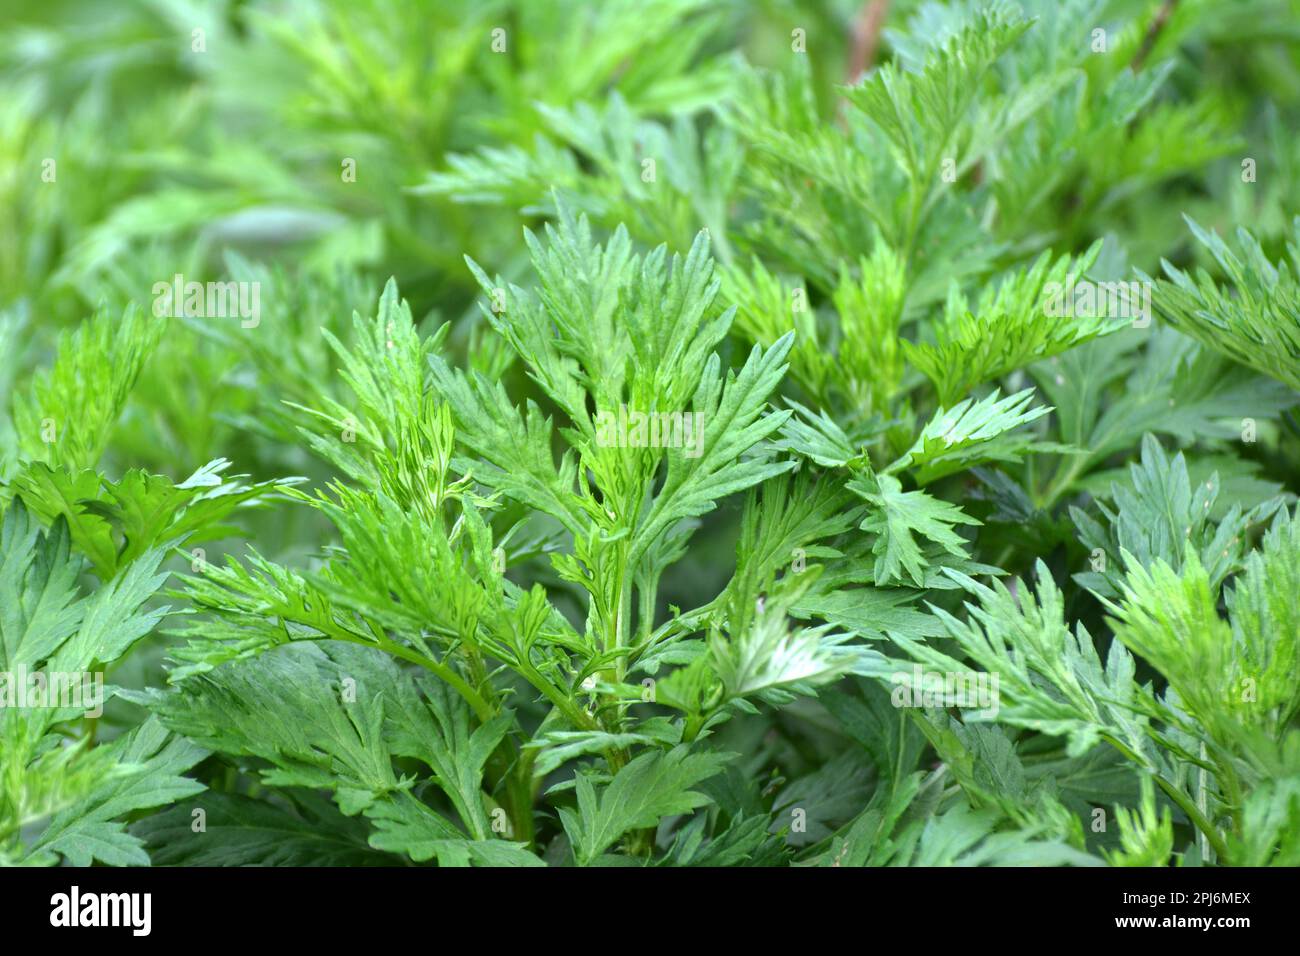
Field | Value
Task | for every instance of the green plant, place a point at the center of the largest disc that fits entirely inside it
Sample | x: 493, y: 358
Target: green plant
x: 822, y: 480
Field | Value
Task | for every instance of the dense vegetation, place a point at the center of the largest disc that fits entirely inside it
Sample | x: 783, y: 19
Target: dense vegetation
x: 656, y: 432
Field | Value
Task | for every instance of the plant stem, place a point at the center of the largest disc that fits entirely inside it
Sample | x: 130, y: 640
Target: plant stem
x: 1186, y: 804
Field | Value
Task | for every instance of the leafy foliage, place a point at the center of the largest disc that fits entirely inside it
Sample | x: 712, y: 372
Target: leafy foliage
x: 1259, y: 326
x: 724, y: 434
x: 71, y: 794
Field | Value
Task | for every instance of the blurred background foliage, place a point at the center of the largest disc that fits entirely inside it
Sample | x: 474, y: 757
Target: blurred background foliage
x: 183, y: 131
x: 174, y: 148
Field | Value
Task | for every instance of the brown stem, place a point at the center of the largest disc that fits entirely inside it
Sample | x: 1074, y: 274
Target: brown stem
x: 866, y: 38
x: 1153, y: 32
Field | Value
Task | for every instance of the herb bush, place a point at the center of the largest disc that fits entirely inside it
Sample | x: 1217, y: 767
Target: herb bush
x: 684, y: 432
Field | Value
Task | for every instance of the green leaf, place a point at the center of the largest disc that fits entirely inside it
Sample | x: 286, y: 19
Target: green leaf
x: 68, y: 416
x: 1027, y: 317
x: 242, y: 831
x: 113, y: 523
x: 920, y: 111
x: 899, y: 515
x: 288, y: 709
x: 1158, y: 516
x: 1257, y: 321
x: 970, y: 433
x: 654, y: 785
x: 405, y: 825
x: 149, y: 763
x: 434, y: 727
x: 1270, y: 826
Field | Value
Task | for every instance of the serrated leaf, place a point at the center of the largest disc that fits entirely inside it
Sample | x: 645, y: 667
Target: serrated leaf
x: 654, y: 785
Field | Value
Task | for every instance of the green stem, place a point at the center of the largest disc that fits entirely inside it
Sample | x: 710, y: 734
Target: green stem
x: 1062, y: 481
x: 482, y: 709
x: 1202, y: 804
x: 577, y: 716
x: 1185, y: 803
